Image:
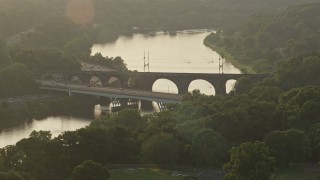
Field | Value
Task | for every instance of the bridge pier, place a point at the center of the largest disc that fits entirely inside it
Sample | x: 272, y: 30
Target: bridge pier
x: 85, y: 80
x: 105, y: 82
x: 146, y: 105
x: 220, y: 90
x: 104, y: 101
x: 182, y: 87
x: 145, y: 84
x: 161, y: 106
x: 220, y: 87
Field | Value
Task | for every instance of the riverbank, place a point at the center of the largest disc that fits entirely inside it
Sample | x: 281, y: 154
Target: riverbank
x: 244, y: 68
x: 19, y: 110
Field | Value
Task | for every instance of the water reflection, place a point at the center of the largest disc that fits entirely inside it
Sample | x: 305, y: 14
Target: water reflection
x: 204, y: 86
x: 56, y: 125
x: 165, y: 86
x: 183, y: 52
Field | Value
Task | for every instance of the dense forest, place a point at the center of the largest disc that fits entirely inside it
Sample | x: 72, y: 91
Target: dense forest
x: 253, y: 133
x: 273, y: 124
x: 121, y: 15
x: 266, y: 39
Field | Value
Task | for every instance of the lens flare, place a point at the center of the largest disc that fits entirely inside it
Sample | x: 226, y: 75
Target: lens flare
x: 80, y: 11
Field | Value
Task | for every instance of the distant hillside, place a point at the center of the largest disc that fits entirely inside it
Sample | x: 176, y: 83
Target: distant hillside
x: 121, y: 15
x: 266, y: 39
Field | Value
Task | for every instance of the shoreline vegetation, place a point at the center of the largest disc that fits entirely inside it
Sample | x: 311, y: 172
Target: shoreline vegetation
x: 15, y: 113
x: 262, y: 130
x: 244, y: 68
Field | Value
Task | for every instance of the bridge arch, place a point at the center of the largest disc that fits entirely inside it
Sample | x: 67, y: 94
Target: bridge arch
x: 132, y: 82
x: 48, y: 77
x: 114, y: 82
x: 95, y: 81
x: 165, y: 85
x: 76, y: 80
x: 204, y: 86
x: 230, y: 85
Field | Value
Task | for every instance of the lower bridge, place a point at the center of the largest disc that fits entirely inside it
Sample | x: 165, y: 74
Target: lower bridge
x: 141, y: 82
x: 115, y: 94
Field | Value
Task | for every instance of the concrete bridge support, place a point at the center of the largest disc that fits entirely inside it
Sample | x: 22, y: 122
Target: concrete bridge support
x: 104, y: 101
x: 146, y: 105
x: 219, y: 86
x: 183, y: 86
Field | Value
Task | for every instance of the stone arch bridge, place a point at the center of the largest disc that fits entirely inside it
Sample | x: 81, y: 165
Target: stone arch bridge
x: 145, y: 80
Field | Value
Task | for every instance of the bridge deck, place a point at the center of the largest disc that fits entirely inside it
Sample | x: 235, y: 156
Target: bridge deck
x: 113, y: 92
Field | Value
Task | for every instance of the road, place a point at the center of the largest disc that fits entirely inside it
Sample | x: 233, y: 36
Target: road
x: 111, y: 92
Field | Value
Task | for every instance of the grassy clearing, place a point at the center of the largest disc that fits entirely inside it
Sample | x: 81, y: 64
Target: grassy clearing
x: 142, y: 174
x: 243, y: 67
x: 299, y: 172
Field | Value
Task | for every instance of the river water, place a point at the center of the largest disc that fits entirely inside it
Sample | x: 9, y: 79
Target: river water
x: 56, y: 125
x: 183, y: 52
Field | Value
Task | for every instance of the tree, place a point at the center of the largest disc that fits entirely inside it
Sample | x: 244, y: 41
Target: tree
x: 299, y: 107
x: 90, y: 170
x: 314, y: 136
x: 16, y: 79
x: 4, y: 55
x: 286, y: 146
x: 119, y: 65
x: 35, y: 149
x: 161, y: 148
x: 250, y: 161
x: 10, y: 175
x: 299, y: 71
x: 265, y: 40
x: 131, y: 119
x: 161, y: 122
x: 225, y: 124
x: 208, y: 148
x: 11, y: 158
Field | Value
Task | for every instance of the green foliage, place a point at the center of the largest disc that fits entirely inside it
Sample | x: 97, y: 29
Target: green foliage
x: 156, y: 174
x: 54, y: 31
x: 269, y: 38
x: 90, y: 170
x: 161, y: 122
x: 288, y: 146
x: 131, y: 119
x: 265, y: 93
x: 116, y: 63
x: 161, y: 149
x: 299, y: 71
x: 78, y: 48
x: 46, y: 59
x: 299, y: 107
x: 181, y: 135
x: 225, y: 124
x: 16, y: 80
x: 4, y: 54
x: 12, y: 158
x: 314, y: 136
x: 298, y: 172
x: 208, y: 148
x: 10, y: 175
x: 250, y: 161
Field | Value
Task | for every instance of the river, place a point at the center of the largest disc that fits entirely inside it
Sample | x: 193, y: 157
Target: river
x: 56, y: 125
x: 183, y: 52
